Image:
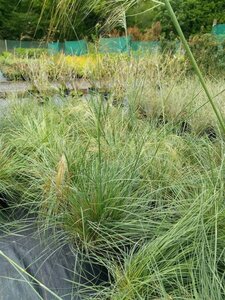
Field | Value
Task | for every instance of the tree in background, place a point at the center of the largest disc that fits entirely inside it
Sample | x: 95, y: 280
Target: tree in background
x: 31, y: 19
x: 141, y: 15
x: 73, y: 19
x: 193, y: 15
x: 20, y: 19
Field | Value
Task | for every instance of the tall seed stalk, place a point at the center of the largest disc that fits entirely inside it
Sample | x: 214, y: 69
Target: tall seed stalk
x: 194, y: 63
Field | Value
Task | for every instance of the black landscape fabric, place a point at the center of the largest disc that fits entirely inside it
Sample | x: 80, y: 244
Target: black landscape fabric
x: 54, y: 267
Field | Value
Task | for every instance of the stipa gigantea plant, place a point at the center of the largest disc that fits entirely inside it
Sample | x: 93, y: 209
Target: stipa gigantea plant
x: 113, y: 12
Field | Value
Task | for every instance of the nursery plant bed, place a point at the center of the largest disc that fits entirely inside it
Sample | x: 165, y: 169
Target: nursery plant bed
x: 20, y: 87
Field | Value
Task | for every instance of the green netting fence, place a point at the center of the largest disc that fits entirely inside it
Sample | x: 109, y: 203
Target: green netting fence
x: 114, y: 45
x: 55, y: 48
x: 106, y: 45
x: 125, y: 44
x: 152, y: 47
x: 219, y: 31
x: 2, y: 46
x: 76, y: 47
x: 10, y: 45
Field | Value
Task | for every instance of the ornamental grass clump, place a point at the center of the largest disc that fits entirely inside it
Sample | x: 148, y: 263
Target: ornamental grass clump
x: 140, y: 198
x: 85, y: 169
x: 123, y: 182
x: 81, y: 174
x: 186, y: 262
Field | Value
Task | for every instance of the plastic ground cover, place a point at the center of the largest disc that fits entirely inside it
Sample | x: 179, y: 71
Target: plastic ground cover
x: 52, y: 270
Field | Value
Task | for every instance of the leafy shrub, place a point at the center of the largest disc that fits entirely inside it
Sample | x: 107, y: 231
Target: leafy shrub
x: 81, y: 65
x: 11, y: 69
x: 209, y: 52
x: 149, y: 34
x: 170, y: 46
x: 6, y: 55
x: 153, y: 33
x: 136, y: 33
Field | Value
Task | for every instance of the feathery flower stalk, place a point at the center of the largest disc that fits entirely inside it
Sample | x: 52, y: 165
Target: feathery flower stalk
x: 194, y: 63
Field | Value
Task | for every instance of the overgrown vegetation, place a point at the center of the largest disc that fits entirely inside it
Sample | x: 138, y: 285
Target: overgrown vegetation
x: 20, y: 19
x: 25, y: 64
x: 148, y: 207
x: 129, y: 172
